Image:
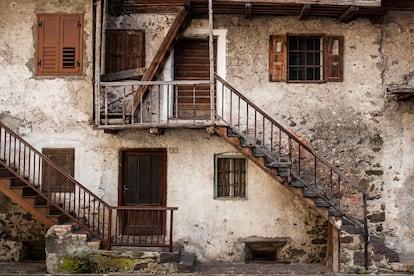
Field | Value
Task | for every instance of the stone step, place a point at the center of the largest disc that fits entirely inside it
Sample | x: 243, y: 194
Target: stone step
x: 186, y: 263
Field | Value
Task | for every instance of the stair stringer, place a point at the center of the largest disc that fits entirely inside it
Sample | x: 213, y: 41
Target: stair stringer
x: 19, y: 200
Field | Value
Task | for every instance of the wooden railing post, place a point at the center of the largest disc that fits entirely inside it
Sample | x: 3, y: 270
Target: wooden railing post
x: 108, y: 243
x: 171, y: 230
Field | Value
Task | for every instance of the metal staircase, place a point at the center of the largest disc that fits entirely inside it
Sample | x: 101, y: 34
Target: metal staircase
x: 291, y: 160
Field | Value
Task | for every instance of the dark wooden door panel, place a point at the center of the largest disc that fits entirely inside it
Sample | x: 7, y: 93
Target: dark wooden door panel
x: 192, y: 62
x: 143, y: 184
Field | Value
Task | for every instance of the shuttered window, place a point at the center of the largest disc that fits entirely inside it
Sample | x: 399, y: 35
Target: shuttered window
x: 230, y: 177
x: 305, y: 58
x: 59, y: 44
x: 124, y: 50
x: 64, y: 158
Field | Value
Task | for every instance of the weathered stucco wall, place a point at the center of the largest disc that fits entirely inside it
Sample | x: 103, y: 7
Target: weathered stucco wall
x: 398, y: 127
x: 55, y: 112
x: 354, y: 122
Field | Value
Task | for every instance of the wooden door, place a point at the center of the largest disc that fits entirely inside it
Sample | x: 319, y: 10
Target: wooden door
x: 192, y: 62
x: 143, y: 183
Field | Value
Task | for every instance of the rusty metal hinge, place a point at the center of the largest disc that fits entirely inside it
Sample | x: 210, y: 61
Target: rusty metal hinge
x: 79, y: 25
x: 40, y: 24
x: 39, y: 63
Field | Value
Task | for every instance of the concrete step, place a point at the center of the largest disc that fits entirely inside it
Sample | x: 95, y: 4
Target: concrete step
x: 186, y: 263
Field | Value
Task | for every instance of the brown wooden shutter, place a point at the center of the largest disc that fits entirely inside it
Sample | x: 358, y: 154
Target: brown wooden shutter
x: 59, y: 44
x: 124, y: 50
x: 277, y: 58
x: 48, y: 44
x: 334, y: 58
x: 70, y: 48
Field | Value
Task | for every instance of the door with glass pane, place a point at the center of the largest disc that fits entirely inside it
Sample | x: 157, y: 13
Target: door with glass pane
x: 143, y: 184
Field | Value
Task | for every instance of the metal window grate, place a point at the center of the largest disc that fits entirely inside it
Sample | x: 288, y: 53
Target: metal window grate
x: 305, y: 58
x: 231, y: 177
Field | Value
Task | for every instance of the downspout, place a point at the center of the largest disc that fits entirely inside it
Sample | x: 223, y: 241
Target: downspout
x: 211, y: 55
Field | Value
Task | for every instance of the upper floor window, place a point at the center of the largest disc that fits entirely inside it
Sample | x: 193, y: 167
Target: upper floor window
x: 305, y: 58
x: 59, y: 44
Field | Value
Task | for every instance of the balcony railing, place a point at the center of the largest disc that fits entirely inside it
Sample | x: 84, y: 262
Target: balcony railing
x: 169, y: 104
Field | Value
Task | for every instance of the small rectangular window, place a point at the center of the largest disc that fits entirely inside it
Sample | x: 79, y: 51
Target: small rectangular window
x: 59, y: 44
x: 305, y: 58
x: 230, y: 177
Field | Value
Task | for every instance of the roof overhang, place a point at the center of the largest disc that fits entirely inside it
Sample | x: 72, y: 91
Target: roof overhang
x: 343, y: 10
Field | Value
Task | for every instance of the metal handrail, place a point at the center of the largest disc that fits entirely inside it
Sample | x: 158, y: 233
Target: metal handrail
x: 62, y: 191
x: 306, y: 164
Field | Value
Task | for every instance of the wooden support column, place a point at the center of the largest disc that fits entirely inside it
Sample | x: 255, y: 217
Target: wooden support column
x: 211, y: 54
x: 98, y: 47
x: 305, y: 11
x: 248, y: 10
x: 348, y: 13
x: 333, y: 247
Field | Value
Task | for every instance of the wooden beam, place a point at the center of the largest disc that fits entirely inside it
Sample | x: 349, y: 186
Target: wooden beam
x: 97, y: 61
x: 398, y: 4
x: 403, y: 92
x: 161, y: 56
x: 305, y: 11
x: 348, y: 13
x: 363, y: 3
x: 248, y: 8
x: 123, y: 75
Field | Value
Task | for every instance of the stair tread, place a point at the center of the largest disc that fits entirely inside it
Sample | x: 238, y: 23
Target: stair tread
x: 334, y: 212
x: 297, y: 183
x: 278, y: 164
x: 319, y: 202
x: 309, y: 193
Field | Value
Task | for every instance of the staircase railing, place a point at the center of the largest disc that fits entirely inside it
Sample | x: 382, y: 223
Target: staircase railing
x: 73, y: 199
x: 309, y: 166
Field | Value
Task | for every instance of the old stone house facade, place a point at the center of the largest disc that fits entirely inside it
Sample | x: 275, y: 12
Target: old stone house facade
x: 337, y: 76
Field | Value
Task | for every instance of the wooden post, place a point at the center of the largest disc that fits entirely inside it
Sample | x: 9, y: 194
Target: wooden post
x: 211, y: 54
x: 98, y: 40
x: 333, y: 247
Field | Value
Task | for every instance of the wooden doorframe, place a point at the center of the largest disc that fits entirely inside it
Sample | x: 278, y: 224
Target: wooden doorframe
x: 163, y: 199
x: 143, y: 222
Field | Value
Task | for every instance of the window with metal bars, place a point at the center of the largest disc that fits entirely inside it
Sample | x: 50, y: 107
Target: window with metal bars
x: 306, y: 58
x: 230, y: 176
